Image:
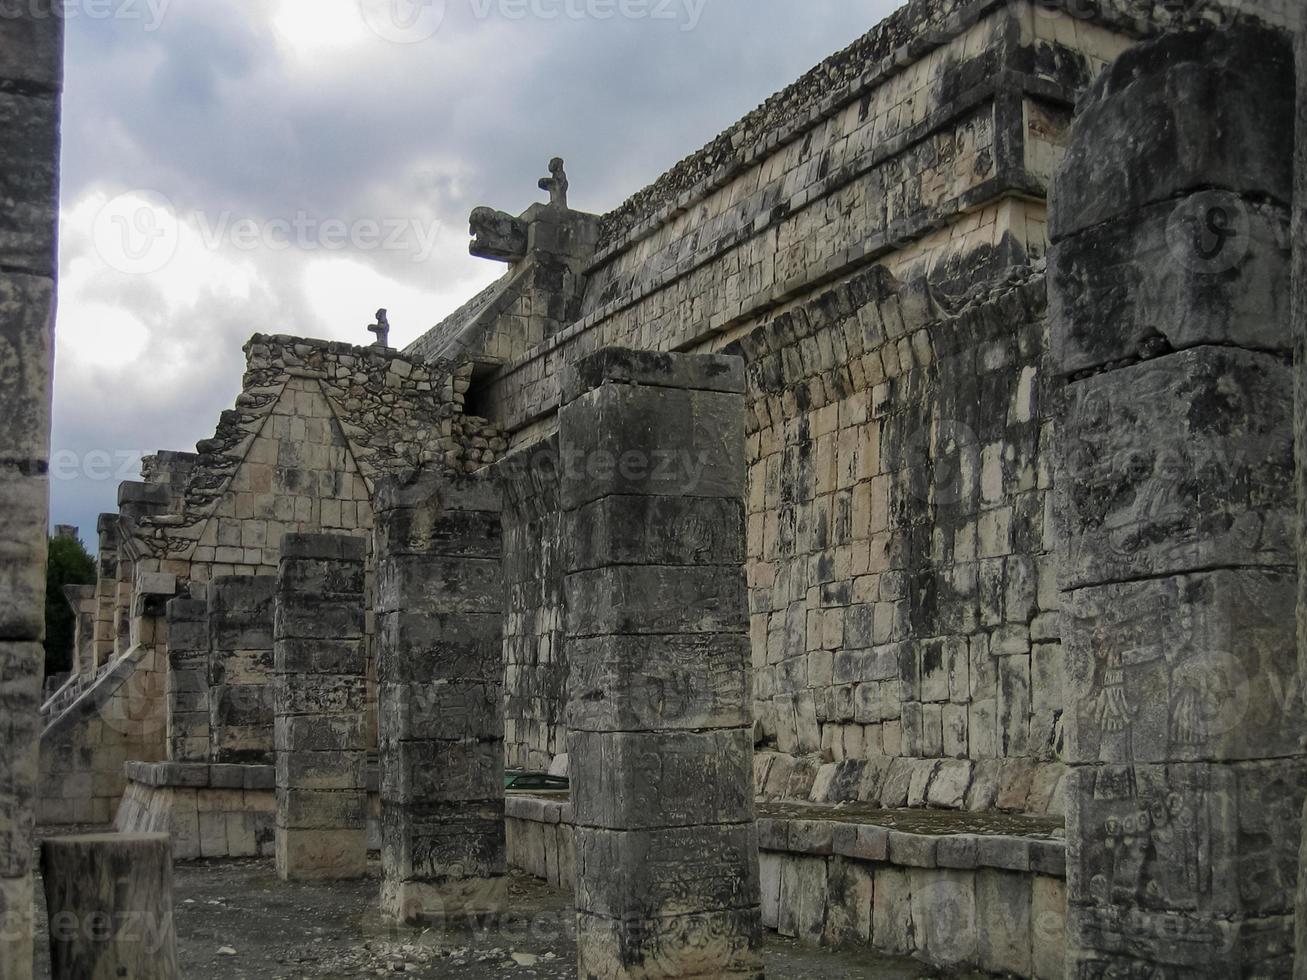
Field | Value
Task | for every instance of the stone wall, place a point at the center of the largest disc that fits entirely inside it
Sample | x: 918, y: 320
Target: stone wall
x: 869, y: 241
x: 316, y: 424
x: 31, y: 76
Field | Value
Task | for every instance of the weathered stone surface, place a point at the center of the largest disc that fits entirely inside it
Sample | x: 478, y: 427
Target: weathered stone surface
x: 29, y: 179
x: 645, y: 780
x: 320, y: 674
x: 440, y: 670
x: 1171, y: 96
x: 657, y: 531
x: 661, y: 873
x: 20, y: 692
x: 630, y: 600
x: 1177, y: 464
x: 720, y: 944
x: 23, y: 552
x: 1182, y: 669
x: 661, y: 745
x: 26, y: 365
x: 18, y: 919
x: 614, y: 365
x: 1211, y: 268
x: 627, y: 439
x: 31, y: 43
x: 670, y: 681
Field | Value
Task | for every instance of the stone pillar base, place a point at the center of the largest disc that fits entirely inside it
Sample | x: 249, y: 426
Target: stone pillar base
x: 414, y: 902
x: 321, y: 855
x: 707, y: 946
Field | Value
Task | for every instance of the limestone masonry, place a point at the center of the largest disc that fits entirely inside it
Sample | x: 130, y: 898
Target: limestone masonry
x: 888, y: 522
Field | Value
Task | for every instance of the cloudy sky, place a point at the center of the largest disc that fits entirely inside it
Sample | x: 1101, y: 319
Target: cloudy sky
x: 289, y: 166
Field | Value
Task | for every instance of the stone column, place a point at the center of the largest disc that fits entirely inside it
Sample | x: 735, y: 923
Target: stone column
x: 188, y: 680
x: 106, y: 587
x: 320, y: 701
x: 31, y: 75
x: 240, y: 668
x: 660, y: 728
x: 1300, y: 430
x: 1169, y: 286
x: 440, y: 680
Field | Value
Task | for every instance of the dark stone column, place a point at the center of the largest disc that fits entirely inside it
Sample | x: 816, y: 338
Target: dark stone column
x: 31, y: 75
x: 1300, y: 431
x: 1170, y: 301
x: 660, y: 729
x: 188, y: 680
x: 440, y: 680
x: 320, y: 697
x: 240, y: 668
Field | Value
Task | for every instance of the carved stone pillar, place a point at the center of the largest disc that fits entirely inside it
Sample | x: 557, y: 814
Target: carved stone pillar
x: 188, y: 680
x: 31, y: 76
x: 440, y: 679
x: 320, y: 695
x: 1169, y: 285
x: 240, y: 668
x: 660, y: 729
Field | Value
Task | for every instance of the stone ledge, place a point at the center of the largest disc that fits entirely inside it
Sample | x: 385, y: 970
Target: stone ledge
x: 202, y: 775
x: 905, y: 838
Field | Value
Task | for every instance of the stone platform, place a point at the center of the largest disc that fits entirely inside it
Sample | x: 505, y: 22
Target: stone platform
x: 215, y: 811
x: 954, y: 889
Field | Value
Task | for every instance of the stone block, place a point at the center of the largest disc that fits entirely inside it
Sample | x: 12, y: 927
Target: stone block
x: 438, y: 583
x: 31, y: 44
x: 655, y: 369
x: 803, y: 899
x: 892, y: 912
x: 650, y: 780
x: 462, y: 900
x: 318, y: 733
x: 1190, y: 843
x: 1173, y: 94
x: 21, y: 670
x: 318, y: 694
x: 1185, y: 668
x: 944, y: 917
x: 324, y: 577
x: 444, y: 772
x: 719, y: 944
x: 662, y: 873
x: 17, y: 927
x: 439, y: 841
x: 319, y: 618
x: 426, y: 646
x: 850, y: 895
x: 448, y: 711
x: 313, y: 809
x: 1003, y: 919
x: 321, y: 656
x: 664, y: 530
x: 1164, y: 280
x: 668, y: 681
x: 321, y: 770
x: 1048, y: 928
x: 327, y: 548
x: 23, y: 554
x: 26, y: 364
x: 634, y: 600
x: 309, y: 855
x: 29, y: 179
x: 1177, y: 464
x: 653, y: 442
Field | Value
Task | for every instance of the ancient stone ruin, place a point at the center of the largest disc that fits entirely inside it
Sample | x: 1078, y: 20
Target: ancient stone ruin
x: 887, y: 521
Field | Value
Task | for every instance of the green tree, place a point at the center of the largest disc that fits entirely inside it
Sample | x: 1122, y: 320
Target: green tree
x: 68, y: 564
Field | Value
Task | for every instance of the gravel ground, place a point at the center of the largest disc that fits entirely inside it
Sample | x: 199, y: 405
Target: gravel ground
x: 236, y: 920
